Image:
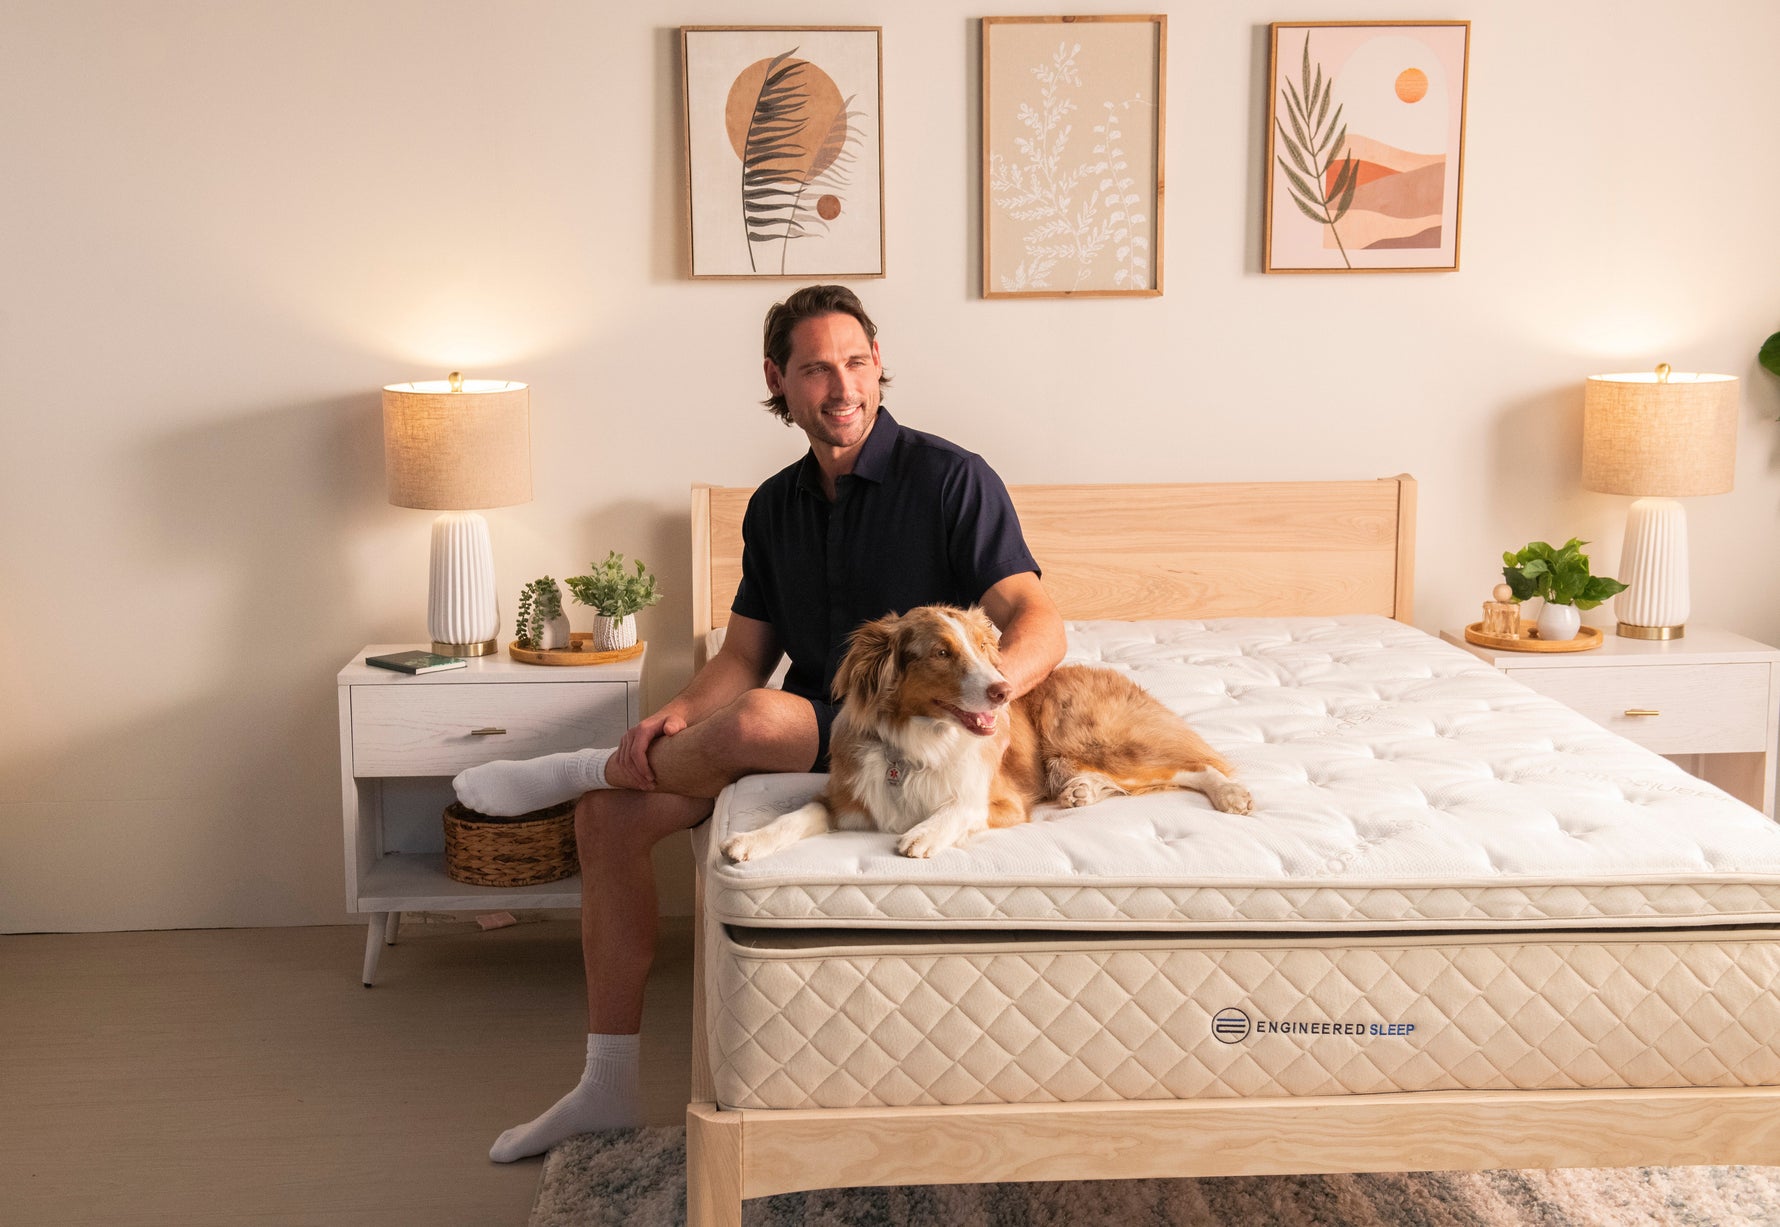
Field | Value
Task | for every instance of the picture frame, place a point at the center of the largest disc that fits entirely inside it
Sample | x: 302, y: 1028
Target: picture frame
x: 1366, y: 146
x: 784, y: 147
x: 1074, y: 123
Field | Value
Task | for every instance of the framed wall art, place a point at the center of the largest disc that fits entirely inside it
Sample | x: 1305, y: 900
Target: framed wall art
x: 784, y: 150
x: 1073, y: 133
x: 1366, y: 146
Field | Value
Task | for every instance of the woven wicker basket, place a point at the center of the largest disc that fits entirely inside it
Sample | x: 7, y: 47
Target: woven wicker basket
x: 483, y: 850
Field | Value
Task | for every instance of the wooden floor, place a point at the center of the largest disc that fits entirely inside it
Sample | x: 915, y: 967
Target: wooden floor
x: 244, y: 1076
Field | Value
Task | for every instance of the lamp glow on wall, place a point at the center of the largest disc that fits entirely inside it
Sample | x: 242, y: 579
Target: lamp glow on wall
x: 459, y: 446
x: 1659, y: 436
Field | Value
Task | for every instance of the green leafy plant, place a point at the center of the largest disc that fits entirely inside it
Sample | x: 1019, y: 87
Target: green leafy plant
x: 539, y: 602
x: 1560, y: 576
x: 1315, y: 141
x: 1770, y: 353
x: 610, y: 589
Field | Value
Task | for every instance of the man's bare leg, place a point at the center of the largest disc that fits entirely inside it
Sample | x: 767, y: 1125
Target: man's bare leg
x: 615, y: 831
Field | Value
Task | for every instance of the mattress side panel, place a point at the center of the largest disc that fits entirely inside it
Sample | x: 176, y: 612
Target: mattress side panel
x: 1054, y: 1023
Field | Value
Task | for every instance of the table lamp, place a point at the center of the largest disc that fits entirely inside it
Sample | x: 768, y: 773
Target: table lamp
x: 459, y: 446
x: 1658, y: 436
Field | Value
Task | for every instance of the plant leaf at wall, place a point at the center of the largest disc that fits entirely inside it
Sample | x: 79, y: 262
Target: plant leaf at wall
x: 1315, y: 141
x: 1770, y: 353
x: 610, y: 589
x: 796, y: 152
x: 1558, y: 576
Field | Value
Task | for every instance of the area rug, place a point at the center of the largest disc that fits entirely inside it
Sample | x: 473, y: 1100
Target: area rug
x: 637, y: 1178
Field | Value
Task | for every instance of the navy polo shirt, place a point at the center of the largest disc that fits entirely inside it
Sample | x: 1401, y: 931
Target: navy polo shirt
x: 919, y: 521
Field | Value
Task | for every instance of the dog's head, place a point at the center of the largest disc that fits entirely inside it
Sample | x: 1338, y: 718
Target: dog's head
x: 935, y: 662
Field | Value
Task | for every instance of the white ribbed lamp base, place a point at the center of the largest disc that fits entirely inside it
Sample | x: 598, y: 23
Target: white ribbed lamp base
x: 1653, y: 565
x: 461, y: 614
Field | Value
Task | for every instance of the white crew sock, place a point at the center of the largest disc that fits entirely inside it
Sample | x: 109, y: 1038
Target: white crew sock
x: 605, y: 1098
x: 520, y: 786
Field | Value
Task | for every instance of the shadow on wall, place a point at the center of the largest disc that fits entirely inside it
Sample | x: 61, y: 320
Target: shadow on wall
x: 253, y: 517
x: 664, y: 541
x: 1536, y: 489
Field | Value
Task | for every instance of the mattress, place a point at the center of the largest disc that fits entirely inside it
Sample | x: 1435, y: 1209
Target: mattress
x: 1397, y: 781
x: 1449, y: 882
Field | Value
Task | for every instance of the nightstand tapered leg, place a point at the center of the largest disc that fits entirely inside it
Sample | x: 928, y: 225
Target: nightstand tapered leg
x: 374, y: 932
x: 389, y: 928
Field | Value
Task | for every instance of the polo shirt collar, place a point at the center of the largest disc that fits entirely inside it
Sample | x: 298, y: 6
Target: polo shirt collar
x: 874, y: 458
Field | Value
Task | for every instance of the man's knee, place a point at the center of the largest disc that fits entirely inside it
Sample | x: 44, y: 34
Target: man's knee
x: 770, y: 730
x: 612, y: 825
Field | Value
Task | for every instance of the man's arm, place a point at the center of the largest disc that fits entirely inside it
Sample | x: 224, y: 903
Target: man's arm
x: 747, y: 658
x: 1031, y: 630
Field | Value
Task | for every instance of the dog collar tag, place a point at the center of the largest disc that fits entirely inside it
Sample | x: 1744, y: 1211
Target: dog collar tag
x: 893, y: 775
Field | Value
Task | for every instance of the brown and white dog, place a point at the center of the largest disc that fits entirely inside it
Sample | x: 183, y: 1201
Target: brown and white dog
x: 927, y: 746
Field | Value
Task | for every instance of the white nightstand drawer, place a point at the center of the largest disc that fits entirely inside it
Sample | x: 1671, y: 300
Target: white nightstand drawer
x: 1696, y: 709
x: 441, y: 729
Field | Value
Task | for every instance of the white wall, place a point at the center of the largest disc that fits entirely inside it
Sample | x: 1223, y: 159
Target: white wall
x: 227, y: 224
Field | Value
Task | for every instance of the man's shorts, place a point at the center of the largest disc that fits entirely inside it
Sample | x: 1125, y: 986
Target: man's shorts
x: 825, y: 714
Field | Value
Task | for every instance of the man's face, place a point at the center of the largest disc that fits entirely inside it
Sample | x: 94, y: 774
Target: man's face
x: 830, y: 381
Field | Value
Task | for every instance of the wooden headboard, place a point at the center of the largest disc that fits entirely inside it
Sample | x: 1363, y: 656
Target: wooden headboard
x: 1216, y: 550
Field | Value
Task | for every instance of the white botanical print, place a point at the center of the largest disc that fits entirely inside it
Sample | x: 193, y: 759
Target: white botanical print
x: 1086, y: 215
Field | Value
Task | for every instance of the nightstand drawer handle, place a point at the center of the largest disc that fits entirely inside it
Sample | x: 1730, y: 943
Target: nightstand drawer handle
x: 1642, y: 711
x: 503, y: 732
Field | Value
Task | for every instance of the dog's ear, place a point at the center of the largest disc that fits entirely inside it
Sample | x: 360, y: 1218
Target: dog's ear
x: 979, y: 618
x: 869, y: 667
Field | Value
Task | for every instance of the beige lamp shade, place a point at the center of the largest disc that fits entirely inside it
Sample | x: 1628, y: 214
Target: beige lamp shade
x: 1659, y: 435
x: 458, y: 444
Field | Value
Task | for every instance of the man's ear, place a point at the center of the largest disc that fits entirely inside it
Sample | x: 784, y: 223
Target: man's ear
x: 775, y: 378
x: 869, y: 667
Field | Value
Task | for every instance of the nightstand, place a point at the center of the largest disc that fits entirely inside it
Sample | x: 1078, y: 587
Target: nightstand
x: 1708, y: 701
x: 403, y: 737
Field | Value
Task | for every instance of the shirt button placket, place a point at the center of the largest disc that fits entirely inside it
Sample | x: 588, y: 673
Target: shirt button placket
x: 837, y: 573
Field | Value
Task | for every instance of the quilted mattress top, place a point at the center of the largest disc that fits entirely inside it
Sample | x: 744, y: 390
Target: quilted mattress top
x: 1398, y: 781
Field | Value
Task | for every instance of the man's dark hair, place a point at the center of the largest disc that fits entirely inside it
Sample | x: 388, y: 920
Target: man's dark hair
x: 809, y: 303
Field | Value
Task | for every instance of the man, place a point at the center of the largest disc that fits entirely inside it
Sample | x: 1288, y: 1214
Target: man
x: 875, y: 519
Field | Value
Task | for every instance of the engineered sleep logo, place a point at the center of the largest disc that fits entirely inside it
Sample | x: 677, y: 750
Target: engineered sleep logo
x: 1231, y: 1026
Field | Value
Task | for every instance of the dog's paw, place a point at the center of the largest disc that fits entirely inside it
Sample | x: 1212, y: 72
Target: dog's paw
x: 1084, y: 790
x: 1232, y: 799
x: 744, y: 847
x: 923, y: 842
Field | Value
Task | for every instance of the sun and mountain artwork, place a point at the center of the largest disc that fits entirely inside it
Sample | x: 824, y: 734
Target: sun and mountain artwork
x: 1366, y: 142
x: 784, y: 133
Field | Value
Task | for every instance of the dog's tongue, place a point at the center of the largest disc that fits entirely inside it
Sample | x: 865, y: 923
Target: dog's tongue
x: 982, y: 723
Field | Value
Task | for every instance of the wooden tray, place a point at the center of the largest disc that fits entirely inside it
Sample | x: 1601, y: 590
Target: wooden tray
x: 1586, y: 638
x: 577, y: 655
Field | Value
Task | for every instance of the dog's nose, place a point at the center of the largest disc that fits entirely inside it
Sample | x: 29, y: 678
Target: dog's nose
x: 999, y: 693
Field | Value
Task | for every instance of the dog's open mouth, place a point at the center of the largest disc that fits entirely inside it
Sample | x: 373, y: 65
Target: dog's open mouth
x: 982, y: 723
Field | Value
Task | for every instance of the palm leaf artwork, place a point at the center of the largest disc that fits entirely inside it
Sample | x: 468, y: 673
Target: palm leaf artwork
x: 1315, y: 141
x: 796, y: 145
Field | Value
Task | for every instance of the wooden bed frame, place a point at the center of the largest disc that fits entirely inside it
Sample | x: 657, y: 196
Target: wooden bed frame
x: 1185, y: 551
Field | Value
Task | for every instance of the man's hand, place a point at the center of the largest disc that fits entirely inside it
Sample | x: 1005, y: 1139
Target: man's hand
x: 632, y: 758
x: 1032, y: 638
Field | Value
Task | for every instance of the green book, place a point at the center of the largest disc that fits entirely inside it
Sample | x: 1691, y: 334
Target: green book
x: 416, y: 662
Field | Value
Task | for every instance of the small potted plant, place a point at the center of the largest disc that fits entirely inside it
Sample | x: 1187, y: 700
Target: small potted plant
x: 1560, y: 577
x: 541, y: 624
x: 615, y: 594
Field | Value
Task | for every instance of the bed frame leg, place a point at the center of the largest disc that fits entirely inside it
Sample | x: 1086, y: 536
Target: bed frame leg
x: 713, y: 1166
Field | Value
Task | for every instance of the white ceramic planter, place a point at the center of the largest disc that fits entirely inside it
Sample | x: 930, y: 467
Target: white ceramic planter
x: 1559, y: 621
x: 611, y: 634
x: 555, y: 633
